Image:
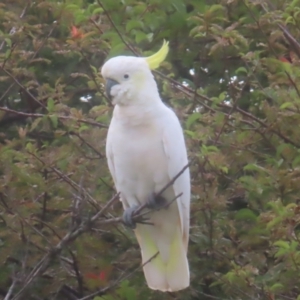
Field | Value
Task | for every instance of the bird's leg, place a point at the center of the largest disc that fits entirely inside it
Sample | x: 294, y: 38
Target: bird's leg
x: 127, y: 216
x: 156, y: 202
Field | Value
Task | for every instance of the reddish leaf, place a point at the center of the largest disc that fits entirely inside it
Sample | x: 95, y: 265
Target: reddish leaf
x: 76, y: 33
x: 97, y: 276
x: 283, y: 59
x: 91, y: 276
x: 102, y: 275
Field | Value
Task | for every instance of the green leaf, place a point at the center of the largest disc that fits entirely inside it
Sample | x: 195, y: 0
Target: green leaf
x: 7, y: 53
x: 95, y: 71
x: 281, y: 148
x: 179, y: 5
x: 80, y: 17
x: 50, y: 105
x: 134, y: 24
x: 281, y: 252
x: 254, y: 167
x: 296, y: 161
x: 83, y: 127
x: 126, y: 291
x: 140, y: 36
x: 294, y: 3
x: 54, y: 120
x: 190, y: 133
x: 290, y: 20
x: 8, y: 42
x: 282, y: 244
x: 246, y: 214
x: 286, y: 105
x: 224, y: 169
x: 241, y: 70
x: 117, y: 50
x: 29, y: 147
x: 35, y: 123
x: 216, y: 8
x: 72, y: 7
x: 276, y: 287
x: 211, y: 148
x: 222, y: 96
x: 150, y: 36
x: 192, y: 119
x: 97, y: 11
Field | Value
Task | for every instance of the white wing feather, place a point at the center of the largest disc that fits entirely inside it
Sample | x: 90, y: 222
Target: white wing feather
x: 175, y: 149
x: 110, y: 160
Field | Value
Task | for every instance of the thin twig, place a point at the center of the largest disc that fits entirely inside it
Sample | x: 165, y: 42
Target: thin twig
x: 22, y: 87
x: 77, y: 272
x: 44, y: 263
x: 116, y: 29
x: 292, y: 41
x: 35, y: 115
x: 10, y: 291
x: 244, y: 113
x: 43, y: 42
x: 100, y: 155
x: 96, y: 25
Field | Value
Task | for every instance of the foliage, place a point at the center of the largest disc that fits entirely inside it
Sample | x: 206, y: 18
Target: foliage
x: 232, y: 76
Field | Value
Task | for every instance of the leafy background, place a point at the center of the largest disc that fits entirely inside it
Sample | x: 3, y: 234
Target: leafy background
x: 233, y: 78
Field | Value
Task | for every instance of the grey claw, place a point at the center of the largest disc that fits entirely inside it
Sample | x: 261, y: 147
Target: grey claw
x: 156, y: 202
x: 127, y: 216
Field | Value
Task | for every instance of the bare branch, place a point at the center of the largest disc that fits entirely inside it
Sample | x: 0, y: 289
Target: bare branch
x: 10, y: 290
x: 100, y: 155
x: 34, y: 115
x: 22, y: 87
x: 44, y: 263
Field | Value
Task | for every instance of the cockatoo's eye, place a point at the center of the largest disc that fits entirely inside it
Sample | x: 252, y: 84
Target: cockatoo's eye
x: 126, y: 76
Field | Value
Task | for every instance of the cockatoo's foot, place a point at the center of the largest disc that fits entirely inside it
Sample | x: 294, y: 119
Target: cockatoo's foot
x: 127, y: 216
x: 156, y: 202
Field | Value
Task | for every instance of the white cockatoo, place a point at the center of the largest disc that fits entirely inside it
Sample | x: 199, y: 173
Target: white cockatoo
x: 145, y: 150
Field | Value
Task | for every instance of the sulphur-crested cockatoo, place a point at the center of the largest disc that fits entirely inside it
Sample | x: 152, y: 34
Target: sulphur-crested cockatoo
x: 145, y: 149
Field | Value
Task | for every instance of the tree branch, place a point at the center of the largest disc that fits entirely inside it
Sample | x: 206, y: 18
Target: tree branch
x: 34, y: 115
x: 84, y: 226
x: 116, y: 29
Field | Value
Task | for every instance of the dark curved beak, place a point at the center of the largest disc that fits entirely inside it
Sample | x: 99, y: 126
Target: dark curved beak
x: 108, y: 85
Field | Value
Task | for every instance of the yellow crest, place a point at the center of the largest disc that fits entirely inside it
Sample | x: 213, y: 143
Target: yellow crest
x: 156, y: 59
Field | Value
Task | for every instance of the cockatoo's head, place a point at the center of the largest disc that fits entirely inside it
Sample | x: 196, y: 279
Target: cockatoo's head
x: 128, y: 78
